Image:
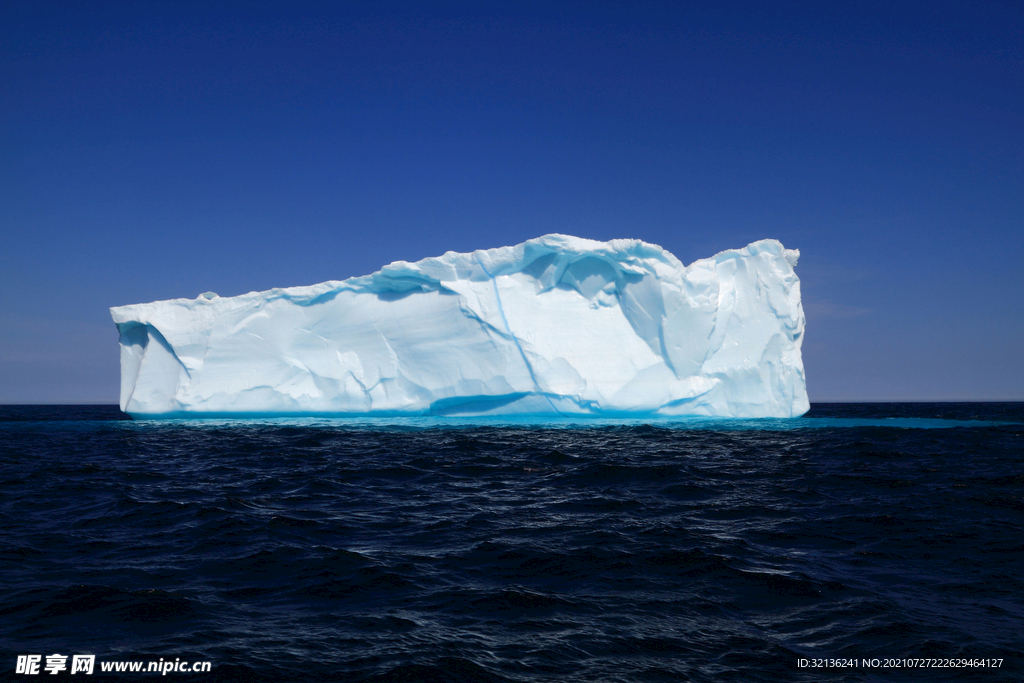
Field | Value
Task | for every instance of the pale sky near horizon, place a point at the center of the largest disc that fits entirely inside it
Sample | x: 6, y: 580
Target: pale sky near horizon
x: 158, y: 150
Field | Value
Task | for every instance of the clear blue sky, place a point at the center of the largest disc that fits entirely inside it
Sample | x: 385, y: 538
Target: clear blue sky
x: 158, y: 150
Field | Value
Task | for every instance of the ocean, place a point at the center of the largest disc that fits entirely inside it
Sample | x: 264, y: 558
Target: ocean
x: 862, y: 542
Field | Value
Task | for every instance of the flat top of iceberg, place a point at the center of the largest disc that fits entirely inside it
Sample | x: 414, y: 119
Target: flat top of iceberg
x: 633, y: 256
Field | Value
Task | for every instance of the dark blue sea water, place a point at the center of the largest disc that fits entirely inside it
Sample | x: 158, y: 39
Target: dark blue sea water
x: 309, y: 550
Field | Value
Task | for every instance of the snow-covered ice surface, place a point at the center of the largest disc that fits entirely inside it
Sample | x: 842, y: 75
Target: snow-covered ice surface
x: 557, y: 325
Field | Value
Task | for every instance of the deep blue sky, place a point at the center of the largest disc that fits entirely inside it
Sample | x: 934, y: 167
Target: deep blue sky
x: 152, y: 151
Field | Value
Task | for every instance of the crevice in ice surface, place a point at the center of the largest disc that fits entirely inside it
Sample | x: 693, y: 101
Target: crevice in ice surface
x: 555, y: 326
x: 512, y: 336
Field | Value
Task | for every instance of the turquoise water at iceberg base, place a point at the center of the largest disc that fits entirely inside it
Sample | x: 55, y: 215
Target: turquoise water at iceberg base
x: 447, y: 549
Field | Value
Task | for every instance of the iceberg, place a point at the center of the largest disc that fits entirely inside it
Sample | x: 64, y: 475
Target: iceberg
x: 557, y: 325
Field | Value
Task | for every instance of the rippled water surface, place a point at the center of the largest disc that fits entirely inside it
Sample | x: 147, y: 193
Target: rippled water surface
x: 408, y: 550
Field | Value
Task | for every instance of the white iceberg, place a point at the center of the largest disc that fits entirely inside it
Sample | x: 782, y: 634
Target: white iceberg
x: 555, y: 326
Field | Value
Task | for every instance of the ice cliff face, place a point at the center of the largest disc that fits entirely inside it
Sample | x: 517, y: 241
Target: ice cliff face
x: 556, y: 325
